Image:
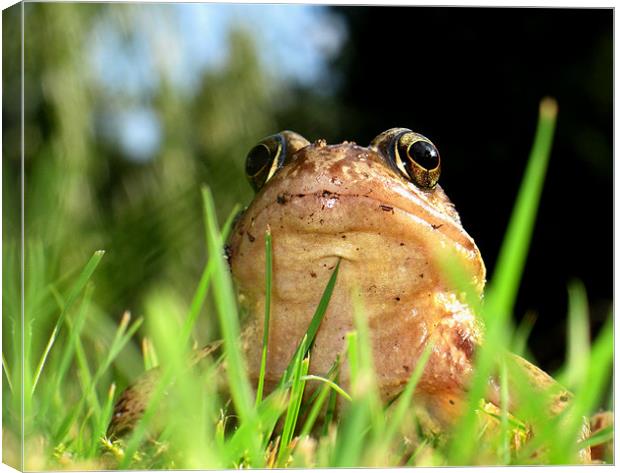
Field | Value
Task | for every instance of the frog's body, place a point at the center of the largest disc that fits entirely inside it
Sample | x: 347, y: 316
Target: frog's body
x: 379, y: 211
x: 345, y: 201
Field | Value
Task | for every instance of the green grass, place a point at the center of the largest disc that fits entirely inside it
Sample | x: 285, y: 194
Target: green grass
x: 71, y: 375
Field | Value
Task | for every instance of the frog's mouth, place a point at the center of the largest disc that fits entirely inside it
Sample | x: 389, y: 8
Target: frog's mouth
x: 326, y: 211
x: 351, y: 226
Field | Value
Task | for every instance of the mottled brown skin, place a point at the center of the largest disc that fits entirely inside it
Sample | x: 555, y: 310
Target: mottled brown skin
x: 344, y: 201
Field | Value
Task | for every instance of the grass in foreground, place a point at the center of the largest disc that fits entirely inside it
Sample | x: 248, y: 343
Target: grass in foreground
x: 68, y: 384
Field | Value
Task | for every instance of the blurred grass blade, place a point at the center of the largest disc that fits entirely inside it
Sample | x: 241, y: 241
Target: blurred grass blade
x: 414, y: 456
x: 269, y: 411
x: 404, y: 400
x: 602, y: 436
x: 230, y: 220
x: 89, y: 395
x: 120, y: 340
x: 366, y: 385
x: 106, y: 415
x: 290, y: 421
x: 522, y: 334
x: 227, y: 312
x: 512, y: 255
x: 502, y: 290
x: 352, y: 431
x: 268, y: 277
x: 318, y: 398
x: 329, y: 383
x: 331, y: 407
x: 598, y: 371
x: 85, y: 275
x: 578, y: 350
x: 534, y: 406
x: 598, y: 375
x: 203, y: 285
x: 185, y: 408
x: 505, y: 432
x: 7, y: 372
x: 140, y: 430
x: 149, y: 354
x: 75, y: 330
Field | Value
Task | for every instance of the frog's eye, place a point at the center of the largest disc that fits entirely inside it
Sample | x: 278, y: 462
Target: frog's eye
x: 419, y: 159
x: 262, y: 162
x: 269, y: 155
x: 412, y: 154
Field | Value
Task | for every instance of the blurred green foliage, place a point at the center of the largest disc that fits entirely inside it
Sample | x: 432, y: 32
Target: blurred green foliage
x: 83, y: 192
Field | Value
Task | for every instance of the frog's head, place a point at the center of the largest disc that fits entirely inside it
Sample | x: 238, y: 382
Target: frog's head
x: 377, y: 209
x: 389, y: 189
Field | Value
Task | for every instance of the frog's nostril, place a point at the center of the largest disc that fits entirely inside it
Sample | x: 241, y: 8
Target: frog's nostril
x: 320, y: 143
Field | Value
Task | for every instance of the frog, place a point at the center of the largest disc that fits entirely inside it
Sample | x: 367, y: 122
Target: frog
x: 379, y: 215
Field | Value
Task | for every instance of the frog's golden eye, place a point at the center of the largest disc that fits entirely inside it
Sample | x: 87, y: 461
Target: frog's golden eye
x: 412, y: 154
x: 419, y: 158
x: 269, y: 155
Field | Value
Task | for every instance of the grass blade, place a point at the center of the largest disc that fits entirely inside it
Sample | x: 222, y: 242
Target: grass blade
x: 74, y: 333
x: 104, y: 419
x: 318, y: 399
x: 314, y: 325
x: 214, y: 269
x: 522, y: 334
x: 297, y: 390
x: 598, y: 375
x: 504, y: 435
x: 227, y: 313
x: 203, y: 285
x: 85, y: 275
x: 141, y: 427
x: 120, y: 340
x: 503, y: 287
x: 329, y: 383
x: 89, y: 395
x: 578, y: 350
x: 149, y: 354
x: 7, y: 372
x: 600, y: 437
x: 352, y: 432
x: 269, y: 411
x: 214, y: 273
x: 513, y: 252
x: 331, y: 406
x: 405, y: 398
x: 366, y: 360
x: 268, y: 277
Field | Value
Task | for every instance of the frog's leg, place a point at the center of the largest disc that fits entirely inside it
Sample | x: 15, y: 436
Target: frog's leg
x: 555, y: 396
x: 133, y: 401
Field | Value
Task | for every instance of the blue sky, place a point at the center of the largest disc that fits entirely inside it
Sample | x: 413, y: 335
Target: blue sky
x: 133, y: 44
